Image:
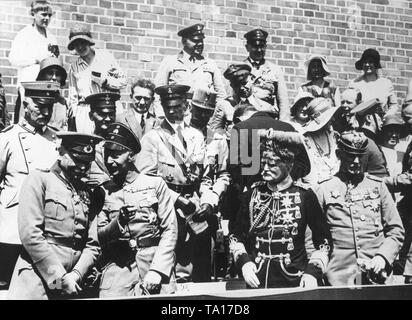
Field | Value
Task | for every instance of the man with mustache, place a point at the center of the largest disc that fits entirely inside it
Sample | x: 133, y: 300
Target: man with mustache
x: 269, y: 85
x: 369, y: 115
x: 190, y: 67
x: 24, y: 147
x: 366, y: 227
x: 102, y: 114
x: 268, y: 241
x: 137, y: 226
x: 58, y: 225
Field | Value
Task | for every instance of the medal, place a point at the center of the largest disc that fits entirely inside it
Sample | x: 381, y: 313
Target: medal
x: 297, y: 213
x: 297, y: 198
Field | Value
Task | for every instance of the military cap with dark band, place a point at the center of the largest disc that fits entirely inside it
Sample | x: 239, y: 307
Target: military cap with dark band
x: 103, y: 100
x: 237, y: 71
x: 44, y: 90
x: 256, y: 35
x: 80, y: 146
x: 172, y: 95
x: 194, y: 32
x: 353, y: 142
x: 121, y: 135
x: 204, y: 98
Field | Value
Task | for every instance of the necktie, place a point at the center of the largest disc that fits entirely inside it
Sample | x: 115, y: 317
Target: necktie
x: 142, y: 122
x: 192, y: 58
x: 180, y: 136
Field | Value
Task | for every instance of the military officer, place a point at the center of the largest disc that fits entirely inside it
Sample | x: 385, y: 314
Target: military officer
x: 269, y: 85
x: 176, y: 152
x: 137, y: 227
x: 215, y: 171
x: 190, y: 67
x: 238, y: 75
x: 366, y: 228
x: 268, y: 241
x: 57, y: 224
x: 102, y: 114
x: 369, y: 115
x: 25, y: 146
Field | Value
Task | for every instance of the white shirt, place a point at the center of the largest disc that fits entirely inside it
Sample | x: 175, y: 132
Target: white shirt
x: 81, y: 81
x: 28, y: 46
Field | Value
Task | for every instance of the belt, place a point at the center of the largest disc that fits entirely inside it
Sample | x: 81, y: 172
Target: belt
x: 182, y: 189
x: 76, y: 244
x: 147, y: 242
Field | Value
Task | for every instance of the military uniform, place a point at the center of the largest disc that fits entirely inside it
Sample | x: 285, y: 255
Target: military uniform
x: 58, y: 233
x: 270, y: 230
x: 155, y: 237
x: 364, y: 222
x: 269, y: 84
x: 102, y: 103
x: 195, y: 72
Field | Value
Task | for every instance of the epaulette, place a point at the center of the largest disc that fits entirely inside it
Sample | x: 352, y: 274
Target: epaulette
x: 258, y: 184
x: 43, y: 170
x: 373, y: 177
x: 7, y: 128
x: 325, y: 179
x: 54, y: 129
x: 301, y: 184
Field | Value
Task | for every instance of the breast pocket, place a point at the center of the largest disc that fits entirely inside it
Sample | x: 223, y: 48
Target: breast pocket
x: 55, y: 206
x: 179, y: 75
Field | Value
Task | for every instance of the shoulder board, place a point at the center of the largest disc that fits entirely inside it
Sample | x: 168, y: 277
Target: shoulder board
x: 302, y: 185
x: 258, y: 184
x: 7, y: 128
x: 325, y: 179
x: 374, y: 178
x: 43, y: 170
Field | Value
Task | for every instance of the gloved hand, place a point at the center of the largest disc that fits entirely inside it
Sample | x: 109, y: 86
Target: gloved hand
x: 187, y: 206
x: 126, y: 214
x: 308, y: 281
x: 205, y: 211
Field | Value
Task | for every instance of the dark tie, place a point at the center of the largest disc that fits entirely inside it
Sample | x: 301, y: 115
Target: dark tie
x: 180, y: 136
x: 142, y: 122
x: 192, y: 59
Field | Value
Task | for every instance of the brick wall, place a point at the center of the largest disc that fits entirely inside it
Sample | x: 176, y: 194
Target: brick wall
x: 141, y: 32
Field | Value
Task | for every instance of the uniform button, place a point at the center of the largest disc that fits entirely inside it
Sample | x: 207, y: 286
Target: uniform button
x: 357, y: 238
x: 355, y: 211
x: 358, y: 248
x: 76, y: 222
x: 362, y: 217
x: 357, y: 229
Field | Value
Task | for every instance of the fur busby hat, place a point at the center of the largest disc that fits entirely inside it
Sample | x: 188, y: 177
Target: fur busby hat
x: 284, y: 144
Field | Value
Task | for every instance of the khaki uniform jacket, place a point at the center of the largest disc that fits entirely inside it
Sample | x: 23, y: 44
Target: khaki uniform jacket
x: 152, y: 197
x: 202, y: 73
x: 364, y: 222
x: 270, y: 86
x: 156, y: 159
x: 21, y: 151
x: 58, y: 232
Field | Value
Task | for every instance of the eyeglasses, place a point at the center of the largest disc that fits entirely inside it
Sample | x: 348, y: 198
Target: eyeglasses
x: 138, y: 98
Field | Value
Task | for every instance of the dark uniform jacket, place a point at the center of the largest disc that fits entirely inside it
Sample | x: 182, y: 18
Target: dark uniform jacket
x: 271, y: 227
x: 58, y: 230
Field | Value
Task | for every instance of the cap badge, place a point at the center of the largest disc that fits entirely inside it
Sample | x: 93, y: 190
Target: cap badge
x: 88, y: 149
x: 116, y: 131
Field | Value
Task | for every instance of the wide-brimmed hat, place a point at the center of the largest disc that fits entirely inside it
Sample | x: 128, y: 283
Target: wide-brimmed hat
x: 79, y: 32
x: 302, y: 99
x: 319, y: 57
x: 49, y: 63
x: 320, y: 111
x: 369, y: 53
x: 393, y: 121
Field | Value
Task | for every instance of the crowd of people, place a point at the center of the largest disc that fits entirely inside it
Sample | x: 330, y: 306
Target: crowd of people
x: 190, y: 183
